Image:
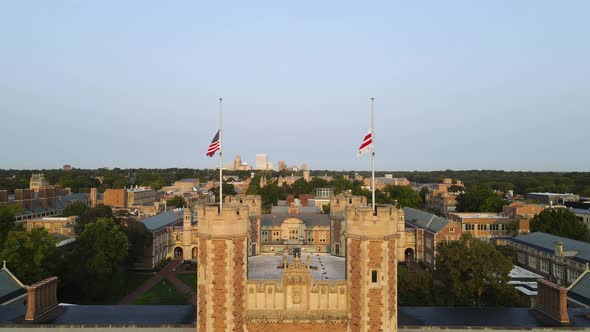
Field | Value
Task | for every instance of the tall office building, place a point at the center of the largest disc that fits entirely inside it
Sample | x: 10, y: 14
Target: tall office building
x: 281, y: 165
x: 237, y: 163
x: 261, y: 162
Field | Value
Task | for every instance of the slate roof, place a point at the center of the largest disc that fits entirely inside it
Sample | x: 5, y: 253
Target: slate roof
x: 425, y: 220
x: 10, y: 286
x: 162, y: 220
x: 60, y: 203
x: 507, y: 317
x: 309, y: 220
x: 581, y: 290
x: 108, y: 315
x: 546, y: 242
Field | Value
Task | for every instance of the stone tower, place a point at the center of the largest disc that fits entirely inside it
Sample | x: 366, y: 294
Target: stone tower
x: 371, y: 267
x: 222, y: 268
x: 338, y: 205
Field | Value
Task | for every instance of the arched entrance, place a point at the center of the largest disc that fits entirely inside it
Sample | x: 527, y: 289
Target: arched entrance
x: 195, y: 253
x: 409, y: 254
x: 177, y: 252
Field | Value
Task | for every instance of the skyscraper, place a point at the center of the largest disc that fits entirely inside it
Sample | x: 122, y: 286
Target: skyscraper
x: 261, y: 162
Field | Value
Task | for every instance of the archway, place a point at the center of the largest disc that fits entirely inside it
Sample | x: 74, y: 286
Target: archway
x: 409, y: 254
x: 178, y: 252
x: 195, y: 253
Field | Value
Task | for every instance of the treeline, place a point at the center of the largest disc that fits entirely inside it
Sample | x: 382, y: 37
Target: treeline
x: 81, y: 180
x: 93, y: 269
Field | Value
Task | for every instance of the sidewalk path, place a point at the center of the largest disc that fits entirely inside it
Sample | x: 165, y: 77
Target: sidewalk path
x: 148, y: 284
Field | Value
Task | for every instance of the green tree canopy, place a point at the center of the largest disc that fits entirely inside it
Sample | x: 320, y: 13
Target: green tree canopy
x: 7, y: 222
x: 30, y: 254
x: 472, y: 271
x: 176, y: 201
x: 100, y: 250
x: 560, y: 222
x: 91, y: 215
x: 404, y: 195
x: 479, y: 199
x: 139, y: 238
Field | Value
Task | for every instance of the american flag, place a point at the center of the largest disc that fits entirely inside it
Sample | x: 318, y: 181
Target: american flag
x: 214, y: 146
x: 366, y: 145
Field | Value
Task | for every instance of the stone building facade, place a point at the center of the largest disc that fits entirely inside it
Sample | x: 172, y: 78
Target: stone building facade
x: 366, y: 300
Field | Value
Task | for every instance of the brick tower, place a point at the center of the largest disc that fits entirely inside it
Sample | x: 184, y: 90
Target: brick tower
x: 222, y: 273
x: 371, y: 267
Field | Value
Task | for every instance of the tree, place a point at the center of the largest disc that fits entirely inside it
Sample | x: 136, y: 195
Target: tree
x: 455, y: 188
x: 423, y: 192
x: 404, y: 195
x: 560, y: 222
x: 74, y: 209
x: 228, y: 189
x: 91, y: 215
x: 7, y: 222
x: 97, y: 258
x: 479, y: 199
x: 471, y: 271
x: 414, y: 288
x: 176, y: 201
x: 30, y: 254
x: 139, y: 238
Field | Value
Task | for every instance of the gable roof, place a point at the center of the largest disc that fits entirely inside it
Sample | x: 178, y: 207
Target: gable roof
x: 162, y: 220
x: 10, y: 287
x: 424, y: 220
x: 575, y: 250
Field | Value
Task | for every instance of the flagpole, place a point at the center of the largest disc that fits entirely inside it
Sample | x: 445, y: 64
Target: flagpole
x: 220, y: 160
x: 373, y: 152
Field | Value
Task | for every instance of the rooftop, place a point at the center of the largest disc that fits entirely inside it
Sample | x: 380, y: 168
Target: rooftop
x: 576, y: 250
x: 309, y: 220
x: 162, y: 220
x: 264, y: 267
x: 424, y: 220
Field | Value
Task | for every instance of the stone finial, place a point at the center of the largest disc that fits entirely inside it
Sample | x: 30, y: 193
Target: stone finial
x: 4, y: 264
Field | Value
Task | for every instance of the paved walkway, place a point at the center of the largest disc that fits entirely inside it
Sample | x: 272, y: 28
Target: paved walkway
x: 166, y: 272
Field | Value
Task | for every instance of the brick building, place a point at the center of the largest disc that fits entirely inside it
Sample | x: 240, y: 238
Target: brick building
x: 440, y: 199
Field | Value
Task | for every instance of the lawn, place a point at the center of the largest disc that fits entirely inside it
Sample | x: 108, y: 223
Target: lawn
x: 163, y: 293
x: 190, y: 279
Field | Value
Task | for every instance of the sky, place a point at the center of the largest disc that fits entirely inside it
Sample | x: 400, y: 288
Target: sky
x: 457, y: 84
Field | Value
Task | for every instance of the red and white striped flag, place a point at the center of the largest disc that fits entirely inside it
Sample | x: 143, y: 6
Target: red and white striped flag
x: 214, y: 146
x: 366, y: 145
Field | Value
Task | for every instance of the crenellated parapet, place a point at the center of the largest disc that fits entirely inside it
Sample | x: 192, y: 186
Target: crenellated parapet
x: 362, y: 222
x: 232, y: 222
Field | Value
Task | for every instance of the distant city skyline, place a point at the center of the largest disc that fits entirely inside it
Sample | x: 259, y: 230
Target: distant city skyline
x: 457, y: 85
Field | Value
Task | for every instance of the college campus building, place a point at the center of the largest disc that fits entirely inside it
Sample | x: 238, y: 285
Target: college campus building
x: 440, y: 199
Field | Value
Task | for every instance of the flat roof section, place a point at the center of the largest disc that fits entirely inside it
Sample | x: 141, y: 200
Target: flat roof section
x: 264, y: 267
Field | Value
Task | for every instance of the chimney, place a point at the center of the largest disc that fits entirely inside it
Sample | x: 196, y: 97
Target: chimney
x: 558, y: 248
x: 3, y: 196
x: 552, y: 302
x: 42, y: 298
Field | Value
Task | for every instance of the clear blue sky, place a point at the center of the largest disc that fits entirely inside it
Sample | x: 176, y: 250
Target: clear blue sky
x: 458, y: 84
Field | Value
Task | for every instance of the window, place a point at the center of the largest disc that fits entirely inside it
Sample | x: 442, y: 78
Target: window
x: 264, y: 236
x: 469, y: 227
x: 294, y: 234
x: 521, y: 258
x: 374, y: 276
x: 494, y: 227
x: 322, y: 236
x: 428, y: 243
x: 451, y: 229
x: 482, y: 227
x: 503, y: 227
x: 533, y: 262
x: 572, y: 275
x: 558, y: 271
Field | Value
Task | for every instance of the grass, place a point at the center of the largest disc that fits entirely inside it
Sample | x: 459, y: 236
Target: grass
x: 163, y: 293
x: 190, y: 279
